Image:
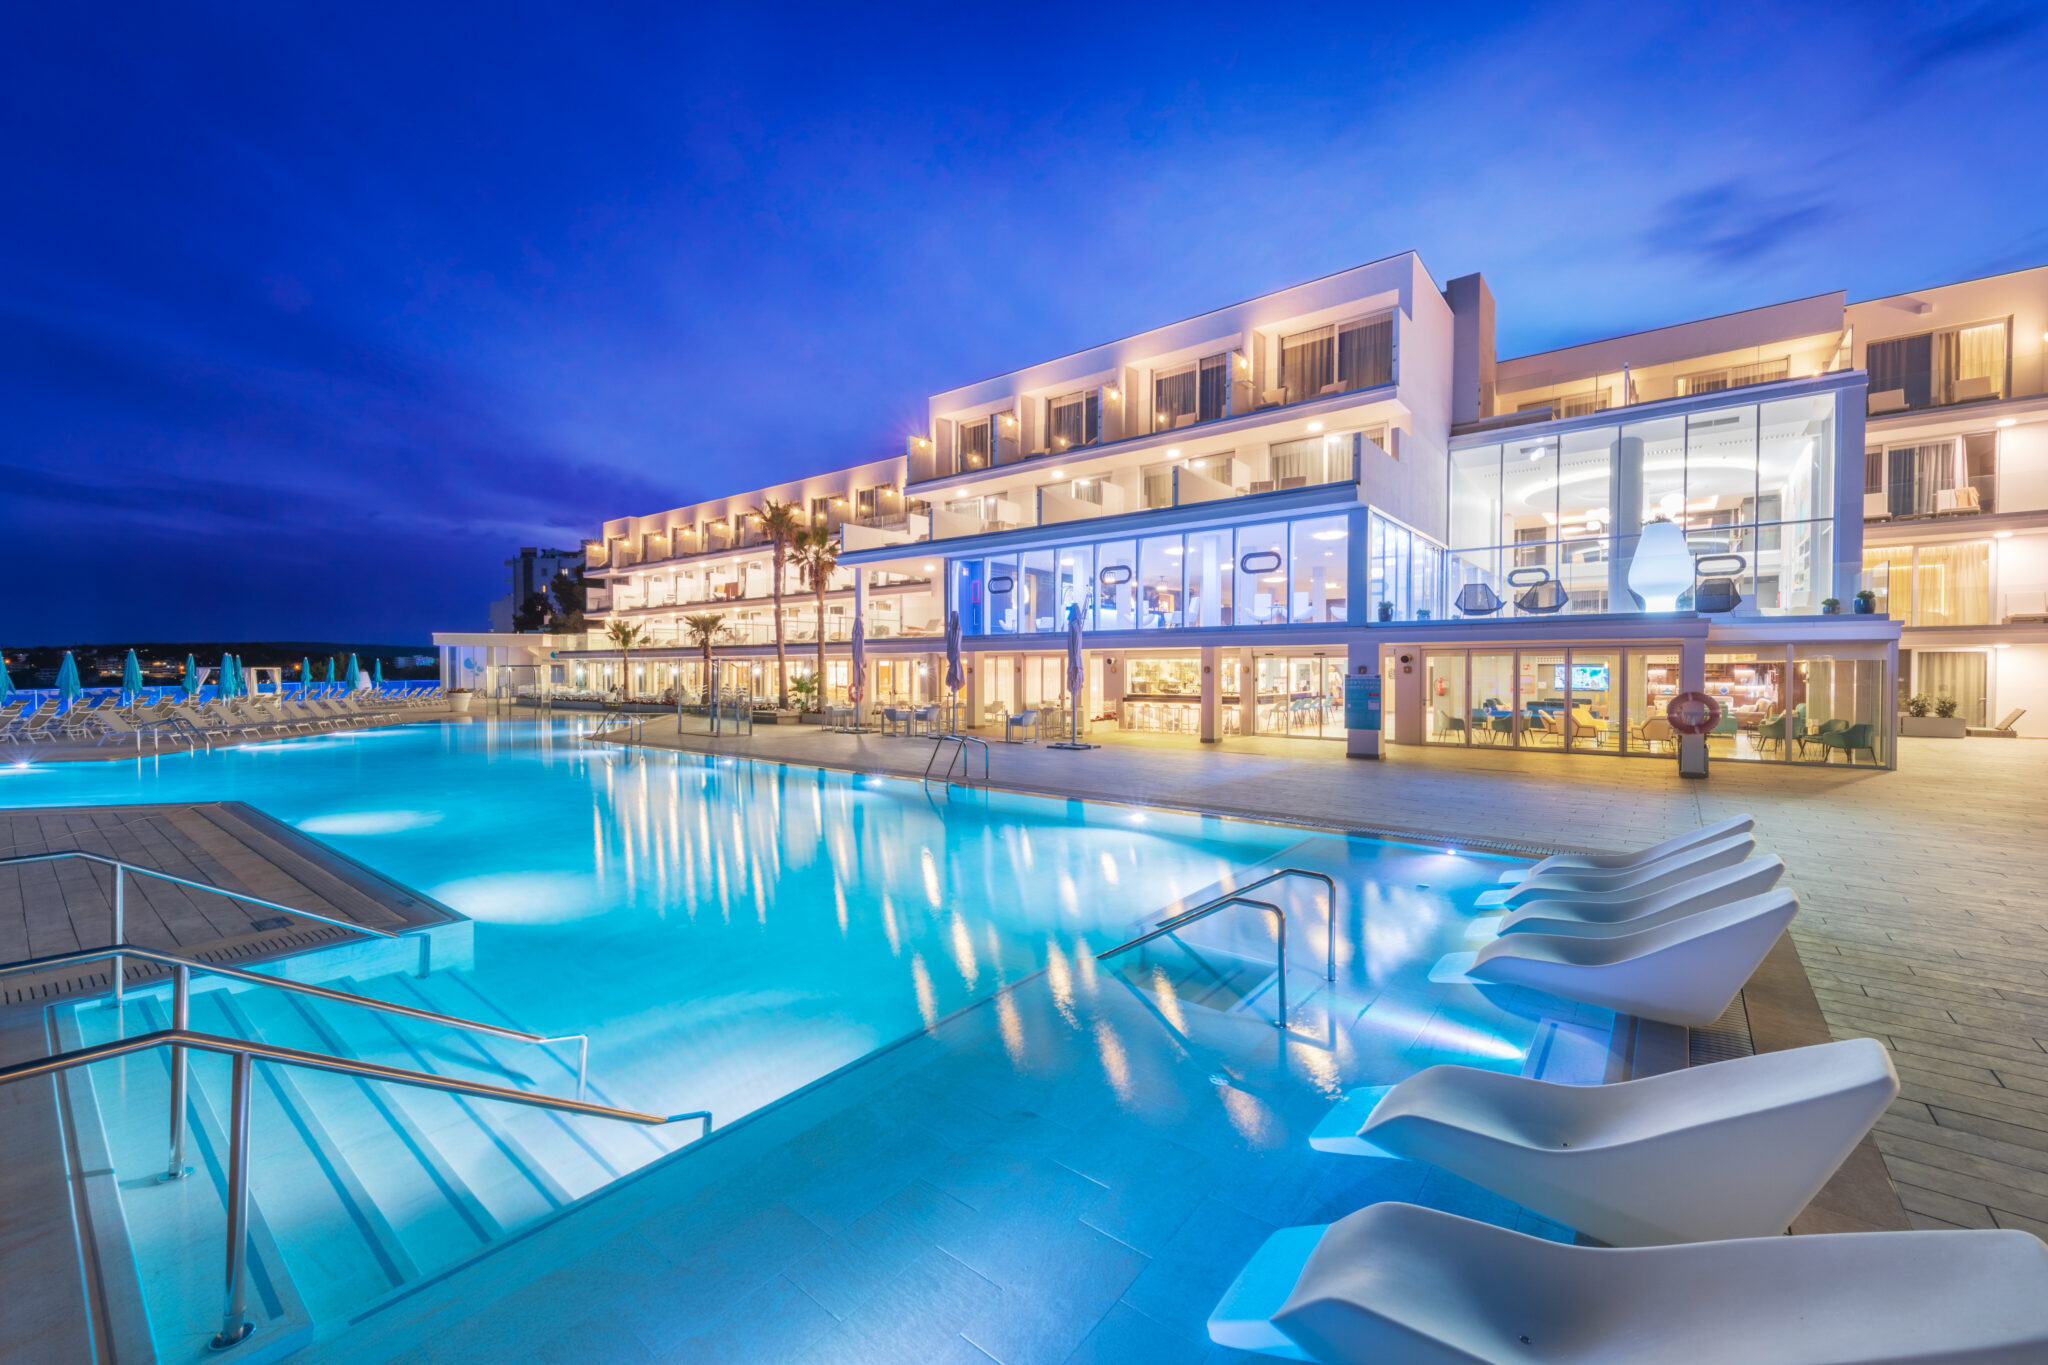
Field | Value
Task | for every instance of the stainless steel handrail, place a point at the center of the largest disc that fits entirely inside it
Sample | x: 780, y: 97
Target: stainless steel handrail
x: 187, y: 965
x: 1182, y: 920
x: 235, y: 1323
x: 1329, y: 907
x: 121, y: 870
x: 960, y: 757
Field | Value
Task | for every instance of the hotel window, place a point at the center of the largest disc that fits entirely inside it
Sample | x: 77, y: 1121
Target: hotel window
x: 1873, y: 471
x: 974, y: 445
x: 1935, y: 369
x: 1309, y: 461
x: 1073, y: 420
x: 1195, y: 392
x: 1735, y: 376
x: 1572, y: 404
x: 1337, y: 359
x: 1156, y: 485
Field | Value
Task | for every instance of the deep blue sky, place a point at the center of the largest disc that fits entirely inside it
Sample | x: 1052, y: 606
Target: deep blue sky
x: 310, y: 315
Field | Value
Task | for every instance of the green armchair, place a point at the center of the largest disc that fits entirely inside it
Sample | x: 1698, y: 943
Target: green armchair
x: 1849, y: 739
x: 1771, y: 730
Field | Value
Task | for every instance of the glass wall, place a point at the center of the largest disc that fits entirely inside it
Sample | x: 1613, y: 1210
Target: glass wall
x: 1405, y: 576
x: 1804, y: 704
x: 1449, y: 711
x: 1753, y: 480
x: 1296, y: 571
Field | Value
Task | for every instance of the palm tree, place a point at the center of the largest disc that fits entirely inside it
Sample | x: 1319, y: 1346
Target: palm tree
x: 625, y: 637
x: 817, y: 559
x: 703, y: 628
x: 781, y: 525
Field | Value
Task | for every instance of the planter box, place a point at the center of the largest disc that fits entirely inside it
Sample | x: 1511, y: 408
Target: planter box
x: 459, y: 701
x: 1934, y: 727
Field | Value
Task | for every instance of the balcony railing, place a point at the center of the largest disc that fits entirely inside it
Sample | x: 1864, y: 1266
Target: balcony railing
x: 1917, y: 502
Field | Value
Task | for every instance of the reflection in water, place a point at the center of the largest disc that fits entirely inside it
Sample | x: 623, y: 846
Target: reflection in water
x: 1061, y: 980
x: 927, y: 1003
x: 1169, y: 1003
x: 1251, y: 1117
x: 1116, y: 1067
x: 963, y: 953
x: 1012, y: 1027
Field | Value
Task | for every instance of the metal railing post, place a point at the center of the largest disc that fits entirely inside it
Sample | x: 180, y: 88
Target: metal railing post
x: 235, y: 1325
x: 181, y: 1013
x: 120, y: 925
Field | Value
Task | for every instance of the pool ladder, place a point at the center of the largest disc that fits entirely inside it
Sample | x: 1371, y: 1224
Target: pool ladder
x: 1237, y: 896
x: 958, y: 760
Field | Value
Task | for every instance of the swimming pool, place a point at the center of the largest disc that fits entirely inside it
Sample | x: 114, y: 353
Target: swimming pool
x: 726, y: 932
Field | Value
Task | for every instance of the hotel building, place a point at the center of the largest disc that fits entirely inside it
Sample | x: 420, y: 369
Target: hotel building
x: 1341, y: 479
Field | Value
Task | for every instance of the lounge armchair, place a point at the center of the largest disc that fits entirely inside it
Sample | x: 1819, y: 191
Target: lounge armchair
x: 1396, y: 1282
x: 1598, y: 914
x: 1021, y: 728
x: 1477, y: 599
x: 1732, y: 1149
x: 2005, y: 729
x: 1851, y: 740
x: 1667, y: 871
x: 1613, y: 862
x: 1543, y: 599
x: 1683, y: 972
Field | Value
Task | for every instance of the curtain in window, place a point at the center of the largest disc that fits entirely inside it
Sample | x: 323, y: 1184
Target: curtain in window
x: 1365, y: 354
x: 1952, y: 585
x: 1956, y: 673
x: 1977, y: 353
x: 1174, y: 397
x: 1308, y: 363
x: 1067, y: 422
x: 1918, y: 474
x: 1905, y: 363
x: 974, y: 445
x: 1215, y: 387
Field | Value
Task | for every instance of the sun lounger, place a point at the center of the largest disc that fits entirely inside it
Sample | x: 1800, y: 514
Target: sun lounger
x: 1653, y: 876
x: 1611, y: 862
x: 1685, y: 972
x: 1395, y: 1282
x: 1598, y: 914
x: 1730, y: 1149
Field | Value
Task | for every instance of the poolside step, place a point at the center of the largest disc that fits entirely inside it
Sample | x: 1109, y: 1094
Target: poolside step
x: 509, y: 1183
x: 418, y: 1194
x: 177, y: 1229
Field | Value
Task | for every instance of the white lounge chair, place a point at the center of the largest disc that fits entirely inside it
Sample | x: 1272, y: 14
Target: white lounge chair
x: 1560, y: 863
x: 1651, y: 876
x: 1685, y: 972
x: 1732, y: 1149
x: 1597, y: 914
x: 1394, y: 1282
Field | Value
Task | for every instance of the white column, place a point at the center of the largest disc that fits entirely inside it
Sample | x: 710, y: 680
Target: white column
x: 1211, y: 723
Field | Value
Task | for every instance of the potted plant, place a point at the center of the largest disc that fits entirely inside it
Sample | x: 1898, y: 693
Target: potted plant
x: 805, y: 691
x: 1943, y: 723
x: 1866, y: 602
x: 1422, y: 613
x: 459, y: 698
x: 1831, y: 606
x: 1386, y: 611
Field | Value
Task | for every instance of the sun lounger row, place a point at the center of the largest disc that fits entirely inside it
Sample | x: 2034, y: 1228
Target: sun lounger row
x: 1689, y: 1177
x: 206, y: 721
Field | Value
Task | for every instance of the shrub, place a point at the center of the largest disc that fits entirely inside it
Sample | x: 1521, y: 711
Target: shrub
x: 1945, y: 708
x: 1919, y: 704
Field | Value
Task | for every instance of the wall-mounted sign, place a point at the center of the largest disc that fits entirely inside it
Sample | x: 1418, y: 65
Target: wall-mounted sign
x: 1361, y: 702
x: 1260, y: 561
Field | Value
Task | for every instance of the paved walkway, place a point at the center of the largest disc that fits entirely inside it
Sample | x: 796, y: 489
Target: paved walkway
x: 1925, y: 893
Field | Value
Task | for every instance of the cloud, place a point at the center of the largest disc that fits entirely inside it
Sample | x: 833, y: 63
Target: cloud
x: 1982, y: 32
x: 1731, y: 224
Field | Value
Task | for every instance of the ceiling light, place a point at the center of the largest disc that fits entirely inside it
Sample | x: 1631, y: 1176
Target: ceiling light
x: 2008, y: 421
x: 1173, y: 454
x: 2001, y: 535
x: 929, y: 567
x: 1056, y: 473
x: 2001, y: 646
x: 1315, y: 427
x: 1329, y: 535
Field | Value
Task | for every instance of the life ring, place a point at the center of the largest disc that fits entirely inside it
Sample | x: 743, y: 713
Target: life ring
x: 1693, y: 713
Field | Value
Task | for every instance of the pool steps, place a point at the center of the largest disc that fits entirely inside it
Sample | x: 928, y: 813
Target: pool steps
x: 357, y: 1190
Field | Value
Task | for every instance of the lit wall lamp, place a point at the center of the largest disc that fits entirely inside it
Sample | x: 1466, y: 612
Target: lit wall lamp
x: 1114, y: 393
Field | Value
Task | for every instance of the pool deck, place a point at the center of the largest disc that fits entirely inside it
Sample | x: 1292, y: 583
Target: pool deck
x: 67, y: 905
x: 1924, y: 892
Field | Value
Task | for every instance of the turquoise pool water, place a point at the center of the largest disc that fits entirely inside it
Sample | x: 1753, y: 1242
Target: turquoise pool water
x: 726, y: 932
